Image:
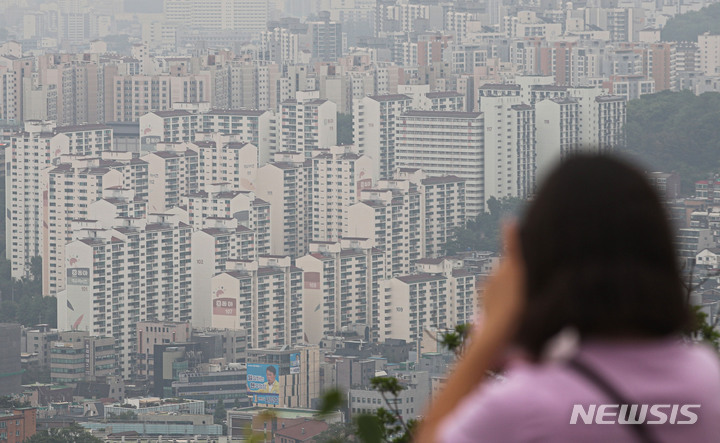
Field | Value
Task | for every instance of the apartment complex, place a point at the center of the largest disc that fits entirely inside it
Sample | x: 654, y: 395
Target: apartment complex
x: 137, y: 270
x: 263, y: 297
x: 446, y: 143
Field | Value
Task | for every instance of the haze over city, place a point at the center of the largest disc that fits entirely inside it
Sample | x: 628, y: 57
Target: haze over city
x: 216, y: 208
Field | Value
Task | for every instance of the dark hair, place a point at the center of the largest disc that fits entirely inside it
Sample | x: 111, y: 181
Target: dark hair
x: 271, y: 369
x: 599, y: 255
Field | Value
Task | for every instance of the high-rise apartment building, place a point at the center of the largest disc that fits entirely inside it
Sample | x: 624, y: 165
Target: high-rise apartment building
x: 27, y: 155
x: 248, y: 16
x: 250, y: 126
x: 390, y: 215
x: 439, y: 296
x: 72, y: 185
x: 446, y: 143
x: 263, y: 297
x: 374, y: 126
x: 557, y: 130
x: 283, y: 184
x: 136, y: 271
x: 338, y: 175
x: 171, y: 174
x: 326, y: 40
x: 307, y: 124
x: 509, y: 147
x: 212, y: 248
x: 341, y: 286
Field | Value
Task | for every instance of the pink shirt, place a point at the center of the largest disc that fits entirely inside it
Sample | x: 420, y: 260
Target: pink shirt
x: 535, y: 402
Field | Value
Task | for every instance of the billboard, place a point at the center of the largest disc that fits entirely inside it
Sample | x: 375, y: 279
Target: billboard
x: 295, y: 363
x: 263, y: 384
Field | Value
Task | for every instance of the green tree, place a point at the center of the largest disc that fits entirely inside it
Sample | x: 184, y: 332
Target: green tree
x: 687, y: 27
x: 10, y: 402
x: 344, y: 129
x: 70, y: 434
x: 483, y: 233
x: 220, y: 415
x: 676, y: 131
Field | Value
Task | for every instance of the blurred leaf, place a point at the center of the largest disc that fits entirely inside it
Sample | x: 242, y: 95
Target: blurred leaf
x: 332, y: 400
x: 369, y: 429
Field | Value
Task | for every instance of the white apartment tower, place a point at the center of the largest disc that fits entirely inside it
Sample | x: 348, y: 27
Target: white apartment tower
x: 263, y: 297
x: 558, y: 132
x: 339, y: 174
x: 307, y: 124
x: 374, y: 122
x: 249, y: 16
x: 250, y: 126
x: 282, y: 183
x: 212, y: 247
x: 446, y: 143
x: 391, y: 216
x: 709, y: 51
x: 341, y: 286
x: 172, y: 174
x: 439, y: 296
x: 27, y: 155
x: 509, y: 146
x: 72, y: 188
x: 136, y: 271
x: 443, y: 210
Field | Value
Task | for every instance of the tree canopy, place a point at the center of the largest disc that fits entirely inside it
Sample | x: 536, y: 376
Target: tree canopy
x: 687, y: 27
x: 676, y: 131
x: 483, y: 233
x: 344, y: 129
x: 71, y: 434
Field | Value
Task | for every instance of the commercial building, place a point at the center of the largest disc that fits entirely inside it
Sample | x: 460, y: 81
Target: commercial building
x: 298, y: 374
x: 214, y: 382
x: 78, y: 356
x: 36, y: 340
x: 150, y: 333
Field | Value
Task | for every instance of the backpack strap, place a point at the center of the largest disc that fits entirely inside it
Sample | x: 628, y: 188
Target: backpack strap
x: 641, y: 429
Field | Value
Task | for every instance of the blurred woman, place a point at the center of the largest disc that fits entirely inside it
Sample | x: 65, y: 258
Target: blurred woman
x: 592, y: 258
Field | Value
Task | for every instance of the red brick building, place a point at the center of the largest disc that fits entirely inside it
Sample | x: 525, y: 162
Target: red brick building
x: 17, y: 424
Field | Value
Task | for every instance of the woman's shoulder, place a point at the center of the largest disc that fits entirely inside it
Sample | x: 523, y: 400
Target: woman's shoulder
x: 533, y: 400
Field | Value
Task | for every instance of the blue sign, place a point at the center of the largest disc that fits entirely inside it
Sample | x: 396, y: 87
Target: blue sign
x: 263, y: 384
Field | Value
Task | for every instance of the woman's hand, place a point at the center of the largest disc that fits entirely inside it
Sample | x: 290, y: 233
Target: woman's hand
x: 503, y: 300
x: 503, y: 297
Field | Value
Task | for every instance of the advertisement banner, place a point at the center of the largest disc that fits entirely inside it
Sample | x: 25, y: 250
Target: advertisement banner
x: 295, y: 363
x: 263, y: 384
x: 224, y: 306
